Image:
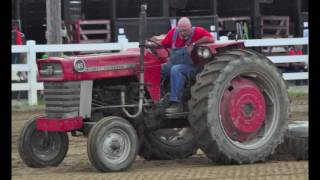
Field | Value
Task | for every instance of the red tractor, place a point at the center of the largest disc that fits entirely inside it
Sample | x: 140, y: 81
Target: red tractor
x: 235, y: 110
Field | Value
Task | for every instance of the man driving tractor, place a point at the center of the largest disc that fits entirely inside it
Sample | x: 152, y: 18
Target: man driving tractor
x: 237, y: 108
x: 182, y: 40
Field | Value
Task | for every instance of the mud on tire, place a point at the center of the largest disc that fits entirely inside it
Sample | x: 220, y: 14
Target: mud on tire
x: 209, y: 109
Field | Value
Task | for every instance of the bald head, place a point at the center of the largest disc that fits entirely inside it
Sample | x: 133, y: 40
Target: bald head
x: 185, y: 27
x: 184, y: 22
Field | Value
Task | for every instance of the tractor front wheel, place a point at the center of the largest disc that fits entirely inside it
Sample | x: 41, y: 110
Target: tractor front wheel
x: 112, y: 144
x: 40, y: 149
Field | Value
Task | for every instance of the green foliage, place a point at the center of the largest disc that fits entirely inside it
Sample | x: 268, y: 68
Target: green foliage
x: 297, y: 94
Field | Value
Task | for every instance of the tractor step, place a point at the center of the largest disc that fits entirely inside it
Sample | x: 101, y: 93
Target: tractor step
x: 176, y: 115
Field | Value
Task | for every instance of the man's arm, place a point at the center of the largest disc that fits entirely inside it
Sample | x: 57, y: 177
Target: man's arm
x: 156, y: 39
x: 203, y: 36
x: 154, y: 42
x: 204, y: 39
x: 164, y: 40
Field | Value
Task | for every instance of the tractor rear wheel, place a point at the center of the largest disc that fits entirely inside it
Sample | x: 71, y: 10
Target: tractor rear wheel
x: 112, y: 144
x: 239, y: 107
x: 40, y: 149
x: 168, y: 144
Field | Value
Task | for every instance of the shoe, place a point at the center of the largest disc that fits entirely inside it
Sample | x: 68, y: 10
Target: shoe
x: 175, y: 107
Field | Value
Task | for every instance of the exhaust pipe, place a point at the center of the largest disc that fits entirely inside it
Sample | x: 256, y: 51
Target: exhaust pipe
x: 142, y: 35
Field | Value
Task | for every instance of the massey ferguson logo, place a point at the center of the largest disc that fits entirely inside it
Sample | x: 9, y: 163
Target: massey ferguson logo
x: 79, y: 65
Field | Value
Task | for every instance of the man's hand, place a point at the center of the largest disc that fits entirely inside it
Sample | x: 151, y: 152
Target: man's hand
x: 190, y: 48
x: 150, y: 44
x: 153, y: 42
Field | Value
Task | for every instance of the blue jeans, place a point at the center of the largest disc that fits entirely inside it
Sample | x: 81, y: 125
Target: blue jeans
x: 15, y: 58
x: 180, y: 66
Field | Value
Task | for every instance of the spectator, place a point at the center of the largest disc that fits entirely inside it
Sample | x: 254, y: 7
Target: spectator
x: 295, y: 67
x: 17, y: 39
x: 299, y: 66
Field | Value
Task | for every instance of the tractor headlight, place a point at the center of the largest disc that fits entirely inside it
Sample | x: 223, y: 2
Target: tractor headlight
x: 206, y: 53
x: 79, y: 65
x: 199, y: 52
x: 50, y: 69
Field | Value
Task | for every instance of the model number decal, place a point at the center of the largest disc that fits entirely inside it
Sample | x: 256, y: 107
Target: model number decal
x: 108, y: 68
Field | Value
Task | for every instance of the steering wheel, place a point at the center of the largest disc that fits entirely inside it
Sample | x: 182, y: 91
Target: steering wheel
x: 154, y: 51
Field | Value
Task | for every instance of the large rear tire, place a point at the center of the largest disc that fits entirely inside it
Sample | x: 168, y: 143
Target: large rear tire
x: 40, y: 149
x: 239, y: 107
x: 168, y: 144
x: 112, y: 144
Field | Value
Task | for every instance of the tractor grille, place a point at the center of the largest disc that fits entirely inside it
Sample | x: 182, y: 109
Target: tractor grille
x: 62, y: 99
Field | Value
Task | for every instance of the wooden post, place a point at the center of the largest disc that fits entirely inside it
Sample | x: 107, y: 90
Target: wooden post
x: 298, y: 28
x: 114, y: 32
x: 53, y: 34
x: 17, y: 15
x: 114, y: 7
x: 215, y: 7
x: 256, y: 15
x: 215, y: 15
x: 165, y: 8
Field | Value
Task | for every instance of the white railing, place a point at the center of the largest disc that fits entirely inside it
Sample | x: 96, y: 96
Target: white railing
x: 32, y: 86
x: 282, y: 59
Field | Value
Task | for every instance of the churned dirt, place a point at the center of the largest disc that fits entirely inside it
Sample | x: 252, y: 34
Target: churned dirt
x: 77, y: 166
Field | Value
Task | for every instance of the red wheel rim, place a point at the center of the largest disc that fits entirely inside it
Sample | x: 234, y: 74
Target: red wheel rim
x: 242, y: 109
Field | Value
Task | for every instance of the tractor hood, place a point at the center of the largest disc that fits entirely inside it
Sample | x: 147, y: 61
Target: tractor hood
x: 86, y: 67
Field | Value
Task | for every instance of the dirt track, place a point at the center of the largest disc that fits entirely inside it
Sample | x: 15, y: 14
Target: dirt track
x: 77, y: 166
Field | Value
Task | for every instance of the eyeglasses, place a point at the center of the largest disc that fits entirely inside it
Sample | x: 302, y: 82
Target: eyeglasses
x: 183, y: 30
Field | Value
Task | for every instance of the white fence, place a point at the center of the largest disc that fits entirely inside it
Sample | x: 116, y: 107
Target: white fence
x: 32, y: 86
x: 282, y: 58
